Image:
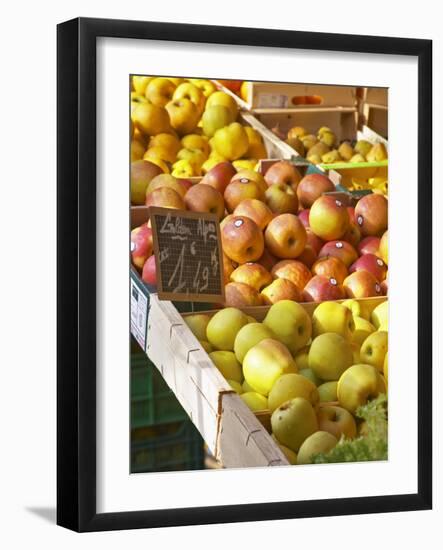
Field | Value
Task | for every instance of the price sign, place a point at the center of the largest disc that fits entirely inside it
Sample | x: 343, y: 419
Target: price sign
x: 188, y: 255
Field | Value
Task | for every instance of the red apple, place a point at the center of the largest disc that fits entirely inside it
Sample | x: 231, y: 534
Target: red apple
x: 228, y: 268
x: 141, y: 245
x: 351, y: 212
x: 292, y: 270
x: 166, y: 180
x: 362, y: 284
x: 281, y: 289
x: 242, y: 240
x: 142, y: 172
x: 204, y: 198
x: 385, y: 286
x: 328, y: 218
x: 149, y: 273
x: 371, y: 263
x: 252, y: 274
x: 330, y: 267
x: 239, y: 190
x: 341, y: 250
x: 314, y: 241
x: 281, y: 199
x: 267, y: 260
x: 285, y: 172
x: 321, y: 289
x: 303, y: 216
x: 369, y: 245
x: 311, y: 187
x: 241, y: 295
x: 219, y: 176
x: 285, y: 236
x: 257, y: 210
x: 352, y: 235
x: 371, y: 214
x: 250, y: 175
x: 308, y: 256
x: 187, y: 184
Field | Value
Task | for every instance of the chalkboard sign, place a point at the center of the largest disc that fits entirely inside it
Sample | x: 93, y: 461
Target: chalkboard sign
x: 188, y: 255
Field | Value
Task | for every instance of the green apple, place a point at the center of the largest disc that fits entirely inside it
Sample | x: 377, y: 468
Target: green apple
x: 362, y: 330
x: 332, y: 317
x: 227, y: 364
x: 236, y: 386
x: 330, y: 355
x: 318, y: 442
x: 358, y: 385
x: 248, y: 336
x: 379, y: 316
x: 289, y: 386
x: 198, y: 324
x: 374, y: 349
x: 337, y: 421
x: 328, y: 391
x: 293, y: 422
x: 290, y: 323
x: 265, y: 363
x: 224, y: 326
x: 255, y: 401
x: 310, y: 375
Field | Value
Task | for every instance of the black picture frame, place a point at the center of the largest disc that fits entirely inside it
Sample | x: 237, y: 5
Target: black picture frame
x: 76, y: 279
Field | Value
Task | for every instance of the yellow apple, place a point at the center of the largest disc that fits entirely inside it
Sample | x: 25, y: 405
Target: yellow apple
x: 358, y: 308
x: 222, y: 98
x: 337, y: 421
x: 383, y: 247
x: 161, y: 153
x: 302, y: 358
x: 246, y: 387
x: 332, y: 317
x: 255, y: 401
x: 245, y: 164
x: 264, y: 363
x: 358, y: 385
x: 195, y: 157
x: 183, y: 114
x: 318, y: 442
x: 374, y: 349
x: 385, y: 369
x: 236, y: 386
x: 289, y: 386
x: 198, y: 323
x: 184, y: 169
x: 290, y: 323
x: 362, y: 330
x: 194, y: 141
x: 248, y: 336
x: 227, y: 364
x: 328, y: 391
x: 151, y: 119
x: 137, y: 150
x: 379, y: 316
x: 206, y: 346
x: 290, y: 455
x: 168, y: 141
x: 140, y: 83
x: 330, y: 355
x: 189, y: 91
x: 206, y: 86
x: 214, y: 118
x: 231, y: 142
x: 159, y: 91
x: 223, y: 327
x: 293, y: 422
x: 310, y: 375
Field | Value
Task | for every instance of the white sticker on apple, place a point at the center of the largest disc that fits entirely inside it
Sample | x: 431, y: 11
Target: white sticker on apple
x: 380, y: 262
x: 333, y: 281
x: 244, y: 180
x: 377, y: 288
x: 360, y: 220
x: 133, y: 247
x: 238, y: 223
x: 338, y: 203
x: 339, y: 245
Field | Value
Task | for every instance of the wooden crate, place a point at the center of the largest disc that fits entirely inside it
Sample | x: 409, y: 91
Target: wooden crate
x: 373, y: 109
x: 264, y: 96
x: 259, y: 313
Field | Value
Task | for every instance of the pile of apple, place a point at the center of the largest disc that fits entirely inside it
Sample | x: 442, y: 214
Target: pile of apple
x: 282, y: 236
x: 185, y: 127
x: 324, y: 148
x: 311, y: 374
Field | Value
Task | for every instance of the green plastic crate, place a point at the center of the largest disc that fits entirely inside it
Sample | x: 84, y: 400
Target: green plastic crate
x: 152, y: 402
x: 177, y: 451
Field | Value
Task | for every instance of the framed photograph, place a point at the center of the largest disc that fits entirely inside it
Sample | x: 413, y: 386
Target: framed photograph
x: 227, y: 198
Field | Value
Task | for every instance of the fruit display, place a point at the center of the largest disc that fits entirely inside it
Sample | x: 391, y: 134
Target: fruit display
x: 184, y: 127
x: 283, y: 236
x: 312, y: 370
